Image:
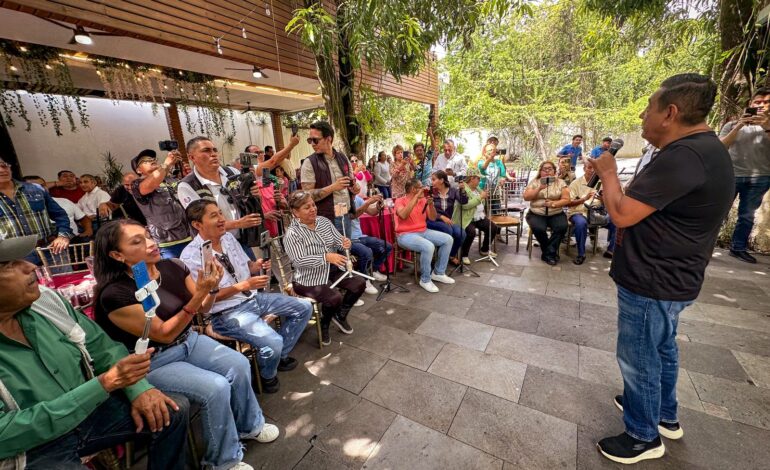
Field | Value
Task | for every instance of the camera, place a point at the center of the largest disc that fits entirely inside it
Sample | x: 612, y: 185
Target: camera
x: 168, y: 145
x: 245, y: 160
x: 502, y: 151
x: 751, y: 111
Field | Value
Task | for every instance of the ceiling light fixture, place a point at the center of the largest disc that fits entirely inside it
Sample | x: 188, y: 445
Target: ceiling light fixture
x: 243, y: 33
x: 257, y: 73
x: 218, y: 46
x: 82, y: 37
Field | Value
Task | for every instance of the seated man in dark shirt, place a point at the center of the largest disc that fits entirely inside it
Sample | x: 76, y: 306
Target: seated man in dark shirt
x: 123, y: 203
x: 59, y: 397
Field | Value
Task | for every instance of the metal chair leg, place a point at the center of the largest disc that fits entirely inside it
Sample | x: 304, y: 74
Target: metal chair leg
x: 317, y: 315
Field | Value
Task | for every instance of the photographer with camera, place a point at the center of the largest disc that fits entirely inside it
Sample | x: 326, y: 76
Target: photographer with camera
x: 328, y: 175
x: 155, y: 193
x: 547, y: 195
x: 748, y: 141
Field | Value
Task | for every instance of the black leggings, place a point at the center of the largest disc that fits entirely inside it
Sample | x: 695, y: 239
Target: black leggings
x: 539, y: 225
x: 332, y: 301
x: 470, y: 234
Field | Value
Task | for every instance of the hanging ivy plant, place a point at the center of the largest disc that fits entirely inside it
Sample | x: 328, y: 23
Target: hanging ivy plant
x: 39, y: 68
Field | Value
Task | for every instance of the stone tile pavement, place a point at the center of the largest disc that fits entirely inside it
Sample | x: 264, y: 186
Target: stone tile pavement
x: 516, y: 369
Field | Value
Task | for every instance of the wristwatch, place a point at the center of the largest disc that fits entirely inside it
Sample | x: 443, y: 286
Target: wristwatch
x: 214, y: 291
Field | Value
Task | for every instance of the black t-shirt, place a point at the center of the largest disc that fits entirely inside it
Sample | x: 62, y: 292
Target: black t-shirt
x: 691, y: 185
x: 172, y: 292
x: 125, y: 199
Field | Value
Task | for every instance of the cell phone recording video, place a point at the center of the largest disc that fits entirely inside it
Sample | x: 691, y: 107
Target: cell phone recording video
x: 751, y: 111
x: 207, y: 255
x: 168, y: 145
x: 294, y: 130
x: 547, y: 180
x: 246, y: 159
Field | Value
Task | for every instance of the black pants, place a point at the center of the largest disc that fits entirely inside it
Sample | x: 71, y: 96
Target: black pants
x: 332, y: 301
x: 539, y: 225
x: 470, y: 234
x: 109, y: 425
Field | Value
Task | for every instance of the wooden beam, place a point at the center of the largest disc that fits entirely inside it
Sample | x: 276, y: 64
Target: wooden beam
x: 175, y: 128
x: 275, y: 119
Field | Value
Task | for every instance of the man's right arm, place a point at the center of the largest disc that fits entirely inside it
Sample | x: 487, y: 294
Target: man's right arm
x: 729, y: 133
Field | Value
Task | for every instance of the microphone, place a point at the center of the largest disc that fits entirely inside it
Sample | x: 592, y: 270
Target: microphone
x: 616, y: 145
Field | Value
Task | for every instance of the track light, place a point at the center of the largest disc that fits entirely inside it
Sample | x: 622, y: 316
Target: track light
x: 257, y: 73
x: 82, y: 37
x: 243, y: 33
x: 218, y: 45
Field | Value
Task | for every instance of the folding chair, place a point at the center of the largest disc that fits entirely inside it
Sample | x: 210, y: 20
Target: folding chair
x: 71, y: 260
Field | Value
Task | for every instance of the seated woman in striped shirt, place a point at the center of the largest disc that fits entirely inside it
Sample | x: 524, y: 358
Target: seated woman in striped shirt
x: 312, y: 243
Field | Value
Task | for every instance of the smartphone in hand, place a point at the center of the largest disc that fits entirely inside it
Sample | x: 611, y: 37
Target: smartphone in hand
x: 207, y: 255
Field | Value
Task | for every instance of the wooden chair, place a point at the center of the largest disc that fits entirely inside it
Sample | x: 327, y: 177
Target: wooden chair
x: 593, y: 234
x: 284, y: 272
x: 498, y: 210
x: 71, y: 260
x: 398, y: 255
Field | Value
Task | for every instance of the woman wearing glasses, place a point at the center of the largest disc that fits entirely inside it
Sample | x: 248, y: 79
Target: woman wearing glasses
x: 215, y: 377
x: 547, y: 196
x: 312, y: 244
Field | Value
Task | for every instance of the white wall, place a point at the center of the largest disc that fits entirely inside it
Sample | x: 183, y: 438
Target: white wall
x: 123, y: 129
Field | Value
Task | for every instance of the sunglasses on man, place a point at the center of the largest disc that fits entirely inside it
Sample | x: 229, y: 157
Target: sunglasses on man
x: 314, y: 140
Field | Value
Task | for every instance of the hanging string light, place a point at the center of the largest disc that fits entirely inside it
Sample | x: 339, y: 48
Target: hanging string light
x: 239, y: 25
x: 267, y: 9
x: 218, y: 45
x: 243, y: 33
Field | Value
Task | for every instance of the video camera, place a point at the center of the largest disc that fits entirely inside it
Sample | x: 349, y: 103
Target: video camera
x: 238, y: 192
x: 170, y: 146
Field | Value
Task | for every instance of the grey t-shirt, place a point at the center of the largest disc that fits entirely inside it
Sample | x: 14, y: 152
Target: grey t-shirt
x: 751, y: 150
x: 307, y: 175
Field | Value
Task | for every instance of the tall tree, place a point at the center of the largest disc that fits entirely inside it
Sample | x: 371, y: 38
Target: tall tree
x: 394, y: 36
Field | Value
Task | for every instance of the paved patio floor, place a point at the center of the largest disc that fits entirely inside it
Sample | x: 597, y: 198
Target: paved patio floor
x: 516, y: 369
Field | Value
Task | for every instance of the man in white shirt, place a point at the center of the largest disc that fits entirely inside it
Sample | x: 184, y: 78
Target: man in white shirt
x: 441, y: 160
x: 95, y: 198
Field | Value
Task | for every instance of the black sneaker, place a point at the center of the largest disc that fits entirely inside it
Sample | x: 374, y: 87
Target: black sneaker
x: 342, y: 324
x: 579, y: 260
x: 287, y: 364
x: 743, y: 256
x: 627, y: 450
x: 325, y: 338
x: 270, y: 385
x: 608, y: 254
x: 671, y: 431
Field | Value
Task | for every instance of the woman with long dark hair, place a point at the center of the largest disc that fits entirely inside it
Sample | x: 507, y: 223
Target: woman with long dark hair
x: 446, y: 199
x: 216, y: 377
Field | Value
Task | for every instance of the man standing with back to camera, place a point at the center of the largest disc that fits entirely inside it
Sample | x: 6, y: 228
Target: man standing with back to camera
x: 668, y: 221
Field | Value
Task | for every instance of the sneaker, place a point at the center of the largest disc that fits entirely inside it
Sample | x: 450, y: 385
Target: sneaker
x: 466, y: 260
x: 241, y: 466
x: 429, y: 286
x: 579, y: 260
x: 358, y: 303
x: 325, y: 338
x: 607, y: 254
x: 442, y: 278
x: 269, y: 433
x: 671, y: 431
x: 342, y: 324
x: 627, y: 450
x: 370, y: 289
x: 287, y: 363
x: 270, y: 385
x: 488, y: 253
x: 743, y: 256
x: 379, y: 276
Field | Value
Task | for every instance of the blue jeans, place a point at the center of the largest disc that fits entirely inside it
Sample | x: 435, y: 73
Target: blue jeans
x: 454, y: 230
x: 580, y: 231
x: 750, y: 190
x: 244, y: 323
x: 111, y: 424
x: 649, y: 361
x: 370, y: 250
x: 173, y: 251
x: 219, y: 380
x: 384, y: 190
x: 425, y: 243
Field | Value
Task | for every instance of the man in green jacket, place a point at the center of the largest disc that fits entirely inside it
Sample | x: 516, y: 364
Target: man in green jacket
x: 51, y: 413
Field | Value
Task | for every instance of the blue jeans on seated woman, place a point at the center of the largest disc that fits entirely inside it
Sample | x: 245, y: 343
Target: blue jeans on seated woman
x: 425, y: 244
x: 219, y: 380
x: 370, y: 250
x: 649, y: 361
x: 244, y: 323
x: 456, y: 232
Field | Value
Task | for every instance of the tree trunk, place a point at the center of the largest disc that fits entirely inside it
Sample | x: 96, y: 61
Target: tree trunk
x: 734, y: 20
x: 348, y: 87
x: 538, y: 137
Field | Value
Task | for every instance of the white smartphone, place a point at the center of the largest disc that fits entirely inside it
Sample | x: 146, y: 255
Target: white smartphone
x: 207, y: 255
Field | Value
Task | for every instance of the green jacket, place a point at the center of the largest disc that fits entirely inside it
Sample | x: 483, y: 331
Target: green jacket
x: 47, y: 382
x: 474, y: 199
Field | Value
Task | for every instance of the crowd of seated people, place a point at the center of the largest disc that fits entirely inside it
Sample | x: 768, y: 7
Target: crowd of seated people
x: 164, y: 222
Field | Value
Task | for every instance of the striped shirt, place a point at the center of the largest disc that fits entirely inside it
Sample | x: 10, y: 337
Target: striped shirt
x: 307, y: 250
x: 32, y: 211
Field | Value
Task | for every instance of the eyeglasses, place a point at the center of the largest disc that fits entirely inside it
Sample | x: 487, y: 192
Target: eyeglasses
x: 5, y: 165
x: 147, y: 160
x: 549, y: 168
x: 313, y: 140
